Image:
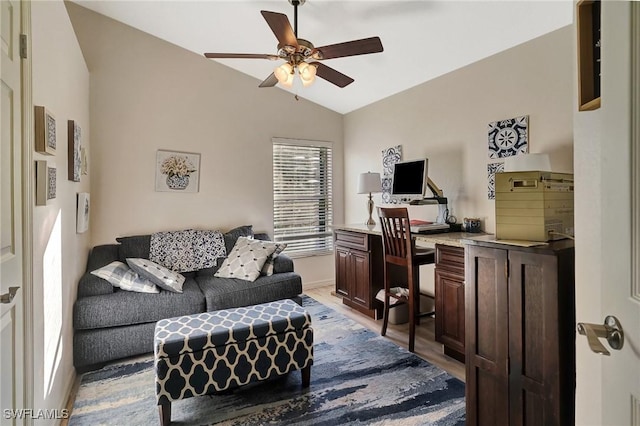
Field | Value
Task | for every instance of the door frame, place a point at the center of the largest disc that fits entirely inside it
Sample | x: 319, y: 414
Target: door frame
x: 28, y: 197
x: 635, y: 150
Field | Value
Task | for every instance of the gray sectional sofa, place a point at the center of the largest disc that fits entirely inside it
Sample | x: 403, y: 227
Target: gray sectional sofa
x: 110, y: 324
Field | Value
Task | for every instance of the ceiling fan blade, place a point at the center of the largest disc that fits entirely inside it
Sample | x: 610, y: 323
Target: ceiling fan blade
x: 269, y: 81
x: 349, y: 48
x: 241, y: 56
x: 331, y: 75
x: 281, y: 27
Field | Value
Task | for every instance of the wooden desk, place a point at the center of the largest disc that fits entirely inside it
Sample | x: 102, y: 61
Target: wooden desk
x: 360, y: 275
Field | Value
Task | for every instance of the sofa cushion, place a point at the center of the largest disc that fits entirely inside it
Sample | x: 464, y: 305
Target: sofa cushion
x: 223, y: 293
x: 246, y: 259
x: 120, y: 275
x: 135, y: 246
x: 125, y: 308
x: 158, y: 274
x: 230, y: 237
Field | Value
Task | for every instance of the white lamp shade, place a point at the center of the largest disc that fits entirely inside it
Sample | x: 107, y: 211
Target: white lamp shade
x: 369, y: 182
x: 527, y: 163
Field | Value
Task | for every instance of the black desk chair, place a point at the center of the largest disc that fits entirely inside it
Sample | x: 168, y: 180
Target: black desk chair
x: 399, y: 249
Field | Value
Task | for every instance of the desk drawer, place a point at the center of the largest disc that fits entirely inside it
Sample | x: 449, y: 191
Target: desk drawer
x: 354, y: 240
x: 451, y: 258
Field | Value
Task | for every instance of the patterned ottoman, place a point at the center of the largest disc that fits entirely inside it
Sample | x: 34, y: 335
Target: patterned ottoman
x: 213, y: 351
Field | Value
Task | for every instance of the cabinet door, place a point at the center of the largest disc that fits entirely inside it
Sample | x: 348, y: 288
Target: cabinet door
x: 486, y: 302
x: 361, y: 289
x: 534, y: 382
x: 343, y: 271
x: 449, y: 288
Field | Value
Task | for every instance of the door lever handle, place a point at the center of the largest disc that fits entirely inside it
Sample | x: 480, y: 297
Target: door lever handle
x: 611, y: 330
x: 8, y: 297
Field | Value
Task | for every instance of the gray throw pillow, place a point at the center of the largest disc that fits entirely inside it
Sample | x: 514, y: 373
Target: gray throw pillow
x: 119, y: 275
x: 158, y: 274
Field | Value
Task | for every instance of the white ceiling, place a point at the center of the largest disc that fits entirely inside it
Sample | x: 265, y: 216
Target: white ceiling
x: 422, y: 39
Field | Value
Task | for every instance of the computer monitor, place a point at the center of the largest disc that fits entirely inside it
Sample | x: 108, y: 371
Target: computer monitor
x: 409, y: 180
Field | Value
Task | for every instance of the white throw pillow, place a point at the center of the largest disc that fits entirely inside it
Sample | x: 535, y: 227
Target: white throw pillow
x: 119, y: 275
x: 246, y: 259
x: 157, y: 274
x: 267, y: 268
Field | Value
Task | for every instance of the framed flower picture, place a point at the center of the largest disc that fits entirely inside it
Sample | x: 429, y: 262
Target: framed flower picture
x: 177, y: 171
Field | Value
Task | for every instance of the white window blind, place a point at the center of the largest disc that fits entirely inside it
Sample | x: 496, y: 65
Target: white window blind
x: 303, y: 196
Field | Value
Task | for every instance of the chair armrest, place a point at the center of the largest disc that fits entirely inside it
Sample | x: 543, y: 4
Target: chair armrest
x: 282, y: 263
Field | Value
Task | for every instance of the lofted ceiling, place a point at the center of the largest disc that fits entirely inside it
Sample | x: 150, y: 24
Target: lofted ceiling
x: 422, y: 39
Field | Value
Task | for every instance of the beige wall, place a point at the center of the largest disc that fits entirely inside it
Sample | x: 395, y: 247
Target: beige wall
x: 147, y: 94
x: 61, y: 83
x: 446, y: 120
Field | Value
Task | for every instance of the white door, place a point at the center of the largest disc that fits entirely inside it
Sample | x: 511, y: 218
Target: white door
x: 11, y: 320
x: 607, y: 216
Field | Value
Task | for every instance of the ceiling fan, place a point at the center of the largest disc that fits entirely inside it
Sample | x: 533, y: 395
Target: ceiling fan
x: 301, y: 55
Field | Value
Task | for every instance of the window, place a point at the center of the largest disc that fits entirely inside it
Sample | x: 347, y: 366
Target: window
x: 302, y: 196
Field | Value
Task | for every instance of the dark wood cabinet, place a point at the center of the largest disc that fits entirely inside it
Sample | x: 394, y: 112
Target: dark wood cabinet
x: 449, y: 300
x: 520, y: 334
x: 358, y: 278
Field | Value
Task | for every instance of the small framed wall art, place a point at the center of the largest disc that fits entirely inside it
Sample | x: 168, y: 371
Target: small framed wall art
x: 46, y: 183
x: 74, y: 150
x: 177, y: 171
x: 82, y: 219
x: 588, y: 22
x: 45, y: 131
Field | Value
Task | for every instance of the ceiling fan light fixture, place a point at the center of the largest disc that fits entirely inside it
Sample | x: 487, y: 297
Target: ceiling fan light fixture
x: 307, y: 73
x: 284, y: 74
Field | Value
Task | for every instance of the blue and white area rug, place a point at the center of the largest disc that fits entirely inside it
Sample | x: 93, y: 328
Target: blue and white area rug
x: 358, y: 378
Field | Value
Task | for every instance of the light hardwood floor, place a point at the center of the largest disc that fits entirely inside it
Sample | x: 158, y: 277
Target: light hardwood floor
x: 425, y: 345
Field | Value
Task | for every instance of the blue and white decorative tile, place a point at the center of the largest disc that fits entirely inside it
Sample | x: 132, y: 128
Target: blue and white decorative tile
x: 390, y: 156
x: 509, y: 137
x: 386, y: 189
x: 492, y: 169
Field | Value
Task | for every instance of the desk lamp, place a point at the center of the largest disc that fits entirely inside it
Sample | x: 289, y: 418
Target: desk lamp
x: 369, y: 183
